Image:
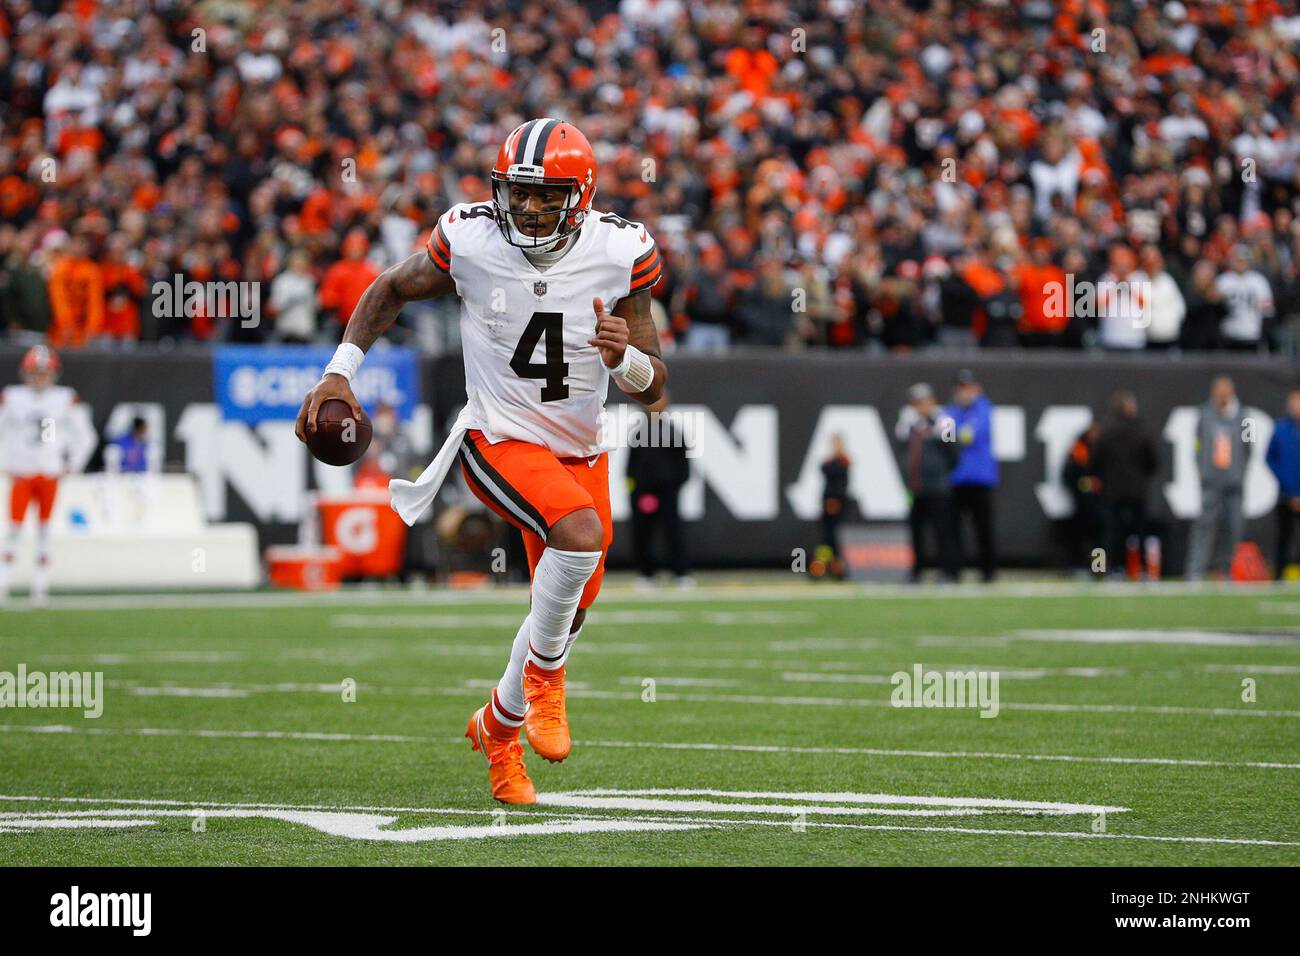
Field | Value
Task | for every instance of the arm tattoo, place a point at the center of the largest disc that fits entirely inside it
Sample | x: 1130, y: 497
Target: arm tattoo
x: 413, y: 278
x: 641, y: 332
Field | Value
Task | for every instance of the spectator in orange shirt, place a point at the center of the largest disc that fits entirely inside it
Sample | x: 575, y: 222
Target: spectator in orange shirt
x: 1041, y: 284
x: 347, y: 279
x: 316, y: 210
x: 751, y: 64
x: 76, y: 297
x: 985, y: 281
x: 123, y: 292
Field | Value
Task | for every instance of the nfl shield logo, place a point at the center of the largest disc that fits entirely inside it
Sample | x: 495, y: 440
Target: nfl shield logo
x: 539, y: 289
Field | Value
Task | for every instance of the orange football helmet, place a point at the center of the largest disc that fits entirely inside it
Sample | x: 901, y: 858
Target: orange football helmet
x: 545, y: 152
x: 40, y: 360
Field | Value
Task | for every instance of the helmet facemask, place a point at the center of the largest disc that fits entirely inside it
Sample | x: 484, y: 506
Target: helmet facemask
x: 39, y: 368
x: 513, y: 223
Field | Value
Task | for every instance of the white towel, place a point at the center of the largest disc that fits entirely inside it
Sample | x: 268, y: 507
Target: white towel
x: 412, y: 498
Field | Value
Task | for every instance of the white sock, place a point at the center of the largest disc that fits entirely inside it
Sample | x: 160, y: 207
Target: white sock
x: 568, y: 646
x: 41, y: 569
x: 558, y: 582
x: 508, y: 702
x: 7, y: 559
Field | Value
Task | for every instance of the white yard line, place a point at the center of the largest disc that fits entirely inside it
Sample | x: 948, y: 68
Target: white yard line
x: 843, y: 797
x: 451, y: 622
x: 203, y: 805
x: 671, y: 681
x: 1004, y: 673
x: 973, y: 831
x: 215, y: 734
x: 341, y: 821
x: 356, y: 826
x: 1158, y: 636
x: 643, y: 804
x: 444, y: 621
x: 834, y: 678
x: 147, y: 657
x: 230, y: 690
x: 791, y: 701
x: 57, y: 729
x: 1278, y: 607
x: 218, y: 692
x: 760, y: 589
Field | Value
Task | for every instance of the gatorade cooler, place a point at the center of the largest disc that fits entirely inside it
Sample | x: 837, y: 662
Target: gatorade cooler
x: 304, y: 569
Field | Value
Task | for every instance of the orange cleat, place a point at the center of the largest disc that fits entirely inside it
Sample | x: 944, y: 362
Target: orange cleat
x: 506, y: 770
x: 545, y: 722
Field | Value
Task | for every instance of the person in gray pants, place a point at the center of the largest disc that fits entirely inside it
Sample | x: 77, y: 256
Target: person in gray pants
x: 1221, y: 453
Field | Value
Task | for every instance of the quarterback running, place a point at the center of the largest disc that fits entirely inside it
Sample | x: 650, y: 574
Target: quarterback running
x: 555, y: 301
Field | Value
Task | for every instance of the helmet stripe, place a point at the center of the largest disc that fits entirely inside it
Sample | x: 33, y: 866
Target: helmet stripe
x: 522, y: 140
x: 537, y: 142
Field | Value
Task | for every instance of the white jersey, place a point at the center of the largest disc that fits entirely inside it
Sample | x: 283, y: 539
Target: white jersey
x: 43, y: 432
x: 1249, y: 299
x: 529, y: 373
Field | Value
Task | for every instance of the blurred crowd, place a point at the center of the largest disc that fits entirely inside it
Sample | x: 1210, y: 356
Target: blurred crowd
x: 827, y: 173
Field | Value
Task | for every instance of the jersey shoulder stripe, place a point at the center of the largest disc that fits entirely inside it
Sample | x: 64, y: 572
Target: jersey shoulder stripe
x: 460, y: 229
x: 439, y: 248
x: 646, y: 270
x: 630, y: 246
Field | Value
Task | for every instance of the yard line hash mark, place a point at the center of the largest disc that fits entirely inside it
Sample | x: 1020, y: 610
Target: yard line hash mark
x: 653, y: 745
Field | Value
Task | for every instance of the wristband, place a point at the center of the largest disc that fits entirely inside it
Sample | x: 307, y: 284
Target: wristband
x: 347, y: 359
x: 635, y: 373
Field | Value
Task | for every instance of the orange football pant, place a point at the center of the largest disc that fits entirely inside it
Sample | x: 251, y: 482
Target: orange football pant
x: 532, y: 489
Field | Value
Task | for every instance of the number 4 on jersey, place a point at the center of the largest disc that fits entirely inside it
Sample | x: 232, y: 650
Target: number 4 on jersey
x: 554, y: 369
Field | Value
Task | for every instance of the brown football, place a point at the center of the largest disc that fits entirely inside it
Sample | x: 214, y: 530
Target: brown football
x: 340, y: 438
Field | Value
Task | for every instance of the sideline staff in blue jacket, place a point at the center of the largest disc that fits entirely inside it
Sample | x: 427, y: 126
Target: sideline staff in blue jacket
x: 976, y: 474
x: 1283, y: 459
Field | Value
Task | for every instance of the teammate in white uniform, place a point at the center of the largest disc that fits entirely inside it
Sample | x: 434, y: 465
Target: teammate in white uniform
x: 44, y: 436
x: 555, y: 301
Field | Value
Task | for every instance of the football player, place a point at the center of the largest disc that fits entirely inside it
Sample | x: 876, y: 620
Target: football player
x: 555, y: 301
x: 44, y: 436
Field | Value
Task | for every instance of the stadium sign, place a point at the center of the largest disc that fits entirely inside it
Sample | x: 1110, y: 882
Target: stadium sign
x: 258, y: 383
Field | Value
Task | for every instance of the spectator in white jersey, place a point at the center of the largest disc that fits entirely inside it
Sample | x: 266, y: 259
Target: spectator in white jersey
x: 1167, y: 307
x: 1123, y: 294
x: 1249, y: 299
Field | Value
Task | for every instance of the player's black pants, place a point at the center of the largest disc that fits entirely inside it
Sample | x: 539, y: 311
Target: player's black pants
x: 933, y: 513
x: 1125, y: 518
x: 976, y: 501
x: 1087, y: 529
x: 656, y: 510
x: 831, y: 519
x: 1286, y: 520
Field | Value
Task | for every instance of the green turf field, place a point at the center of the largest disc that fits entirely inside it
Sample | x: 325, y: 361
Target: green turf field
x: 225, y: 737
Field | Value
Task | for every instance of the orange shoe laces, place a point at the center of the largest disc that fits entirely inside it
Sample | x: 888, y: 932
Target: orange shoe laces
x: 548, y: 704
